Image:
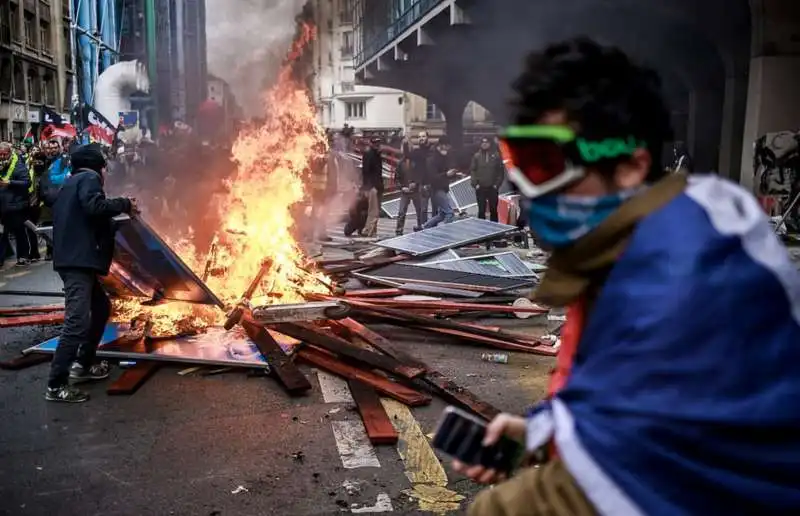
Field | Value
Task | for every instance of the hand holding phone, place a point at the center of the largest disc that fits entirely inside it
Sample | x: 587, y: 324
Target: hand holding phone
x: 482, y: 453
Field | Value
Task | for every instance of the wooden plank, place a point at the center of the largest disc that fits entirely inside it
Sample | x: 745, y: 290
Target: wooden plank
x: 381, y: 384
x: 547, y: 351
x: 284, y: 370
x: 32, y: 320
x: 25, y: 361
x: 374, y: 292
x: 449, y: 305
x: 131, y: 379
x: 433, y: 380
x: 379, y: 427
x: 28, y: 310
x: 313, y: 335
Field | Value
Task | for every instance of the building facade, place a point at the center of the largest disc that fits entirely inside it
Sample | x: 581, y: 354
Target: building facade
x: 367, y: 109
x: 35, y: 63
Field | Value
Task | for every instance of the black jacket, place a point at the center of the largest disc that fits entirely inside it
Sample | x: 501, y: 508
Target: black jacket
x: 438, y: 165
x: 420, y: 160
x: 406, y: 174
x: 83, y: 232
x: 372, y: 170
x: 15, y: 196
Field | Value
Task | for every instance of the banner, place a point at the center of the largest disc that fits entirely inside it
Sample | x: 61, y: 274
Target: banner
x: 53, y: 125
x: 99, y: 128
x: 49, y: 116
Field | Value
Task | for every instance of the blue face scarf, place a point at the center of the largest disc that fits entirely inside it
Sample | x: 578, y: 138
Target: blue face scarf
x: 559, y: 220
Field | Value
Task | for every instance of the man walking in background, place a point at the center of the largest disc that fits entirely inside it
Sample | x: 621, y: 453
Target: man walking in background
x: 411, y: 192
x: 421, y: 157
x: 83, y: 245
x: 372, y: 185
x: 487, y: 175
x: 441, y: 174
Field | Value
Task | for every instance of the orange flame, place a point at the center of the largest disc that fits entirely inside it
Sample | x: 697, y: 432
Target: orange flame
x: 256, y: 210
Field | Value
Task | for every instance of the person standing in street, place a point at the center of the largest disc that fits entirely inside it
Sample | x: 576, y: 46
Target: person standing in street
x: 372, y: 185
x: 441, y: 174
x: 15, y: 185
x: 420, y: 161
x: 487, y: 176
x: 83, y: 246
x: 410, y: 192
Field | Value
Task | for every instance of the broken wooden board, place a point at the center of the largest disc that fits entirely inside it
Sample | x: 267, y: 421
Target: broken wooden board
x: 433, y: 380
x: 284, y: 370
x: 378, y: 425
x: 25, y: 361
x: 42, y: 319
x: 381, y: 384
x: 30, y: 310
x: 131, y: 379
x: 315, y: 336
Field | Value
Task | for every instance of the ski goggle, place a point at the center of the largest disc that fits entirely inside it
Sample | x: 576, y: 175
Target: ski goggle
x: 540, y: 159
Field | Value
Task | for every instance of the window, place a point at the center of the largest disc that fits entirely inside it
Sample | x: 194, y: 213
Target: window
x: 16, y: 37
x: 67, y: 48
x: 44, y: 37
x: 355, y: 110
x: 19, y: 83
x: 433, y: 113
x: 34, y: 87
x: 48, y: 90
x: 5, y: 25
x: 347, y: 43
x: 30, y: 30
x: 346, y: 13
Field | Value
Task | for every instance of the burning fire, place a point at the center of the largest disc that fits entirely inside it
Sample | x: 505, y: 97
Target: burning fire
x: 256, y: 211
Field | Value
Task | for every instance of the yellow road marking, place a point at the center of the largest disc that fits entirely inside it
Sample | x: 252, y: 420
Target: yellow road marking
x: 423, y: 469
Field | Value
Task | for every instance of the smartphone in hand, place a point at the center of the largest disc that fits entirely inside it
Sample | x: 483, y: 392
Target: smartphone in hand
x: 460, y: 436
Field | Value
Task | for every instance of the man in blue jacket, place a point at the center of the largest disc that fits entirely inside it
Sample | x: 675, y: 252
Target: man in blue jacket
x: 678, y: 389
x: 83, y: 246
x: 15, y: 190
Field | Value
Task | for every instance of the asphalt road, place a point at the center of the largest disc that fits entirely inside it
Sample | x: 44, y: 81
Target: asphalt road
x: 229, y: 444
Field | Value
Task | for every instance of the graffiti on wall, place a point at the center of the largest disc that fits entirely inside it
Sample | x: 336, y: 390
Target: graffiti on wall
x: 776, y: 165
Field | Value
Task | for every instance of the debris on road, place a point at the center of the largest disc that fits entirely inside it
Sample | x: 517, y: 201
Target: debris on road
x: 497, y: 358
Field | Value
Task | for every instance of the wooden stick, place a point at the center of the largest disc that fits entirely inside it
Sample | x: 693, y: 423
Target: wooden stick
x: 449, y: 305
x: 131, y: 379
x: 433, y: 380
x: 32, y: 320
x: 26, y: 310
x: 25, y: 361
x: 397, y: 391
x: 313, y: 335
x: 284, y: 370
x: 377, y: 423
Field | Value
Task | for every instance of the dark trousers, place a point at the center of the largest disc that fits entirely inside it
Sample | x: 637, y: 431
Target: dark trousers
x: 487, y: 195
x: 33, y: 238
x: 86, y: 312
x: 405, y: 200
x: 14, y: 224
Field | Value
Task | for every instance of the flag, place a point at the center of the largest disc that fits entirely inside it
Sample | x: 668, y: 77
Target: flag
x: 98, y: 127
x: 30, y: 137
x: 683, y: 395
x: 53, y: 125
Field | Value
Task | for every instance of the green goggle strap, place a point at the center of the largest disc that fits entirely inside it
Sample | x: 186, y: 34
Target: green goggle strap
x: 589, y: 151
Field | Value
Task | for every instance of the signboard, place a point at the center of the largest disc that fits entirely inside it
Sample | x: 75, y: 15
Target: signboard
x: 33, y: 116
x: 128, y: 119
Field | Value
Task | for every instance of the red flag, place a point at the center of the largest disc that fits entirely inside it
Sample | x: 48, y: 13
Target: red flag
x: 100, y: 135
x: 51, y: 131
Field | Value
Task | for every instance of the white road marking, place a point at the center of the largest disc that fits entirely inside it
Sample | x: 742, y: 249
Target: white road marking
x: 334, y: 389
x: 353, y: 444
x: 384, y: 504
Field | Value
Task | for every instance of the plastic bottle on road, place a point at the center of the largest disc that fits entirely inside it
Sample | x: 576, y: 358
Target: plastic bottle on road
x: 498, y: 358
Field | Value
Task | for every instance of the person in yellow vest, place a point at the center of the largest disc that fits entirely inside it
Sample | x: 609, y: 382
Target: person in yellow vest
x: 15, y: 184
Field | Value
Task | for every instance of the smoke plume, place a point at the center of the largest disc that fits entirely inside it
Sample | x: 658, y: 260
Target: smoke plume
x: 247, y: 42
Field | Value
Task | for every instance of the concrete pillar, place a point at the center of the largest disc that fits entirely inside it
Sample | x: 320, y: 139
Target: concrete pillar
x: 733, y: 113
x: 704, y: 128
x: 772, y: 104
x: 453, y: 111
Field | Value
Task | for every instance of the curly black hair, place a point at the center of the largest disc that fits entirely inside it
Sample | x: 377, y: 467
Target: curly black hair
x: 600, y: 89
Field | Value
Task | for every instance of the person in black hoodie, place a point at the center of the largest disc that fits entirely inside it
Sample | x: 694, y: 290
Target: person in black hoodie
x: 420, y: 160
x: 372, y: 184
x: 439, y: 183
x: 83, y: 246
x: 411, y: 192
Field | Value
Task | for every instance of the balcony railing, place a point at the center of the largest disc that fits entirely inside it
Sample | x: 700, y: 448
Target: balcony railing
x: 379, y: 29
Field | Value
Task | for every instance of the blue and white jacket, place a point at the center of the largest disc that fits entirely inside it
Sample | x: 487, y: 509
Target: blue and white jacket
x: 684, y: 396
